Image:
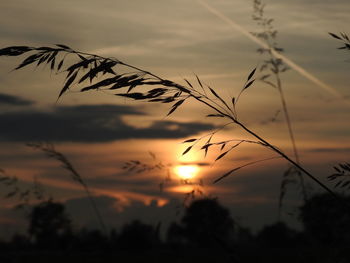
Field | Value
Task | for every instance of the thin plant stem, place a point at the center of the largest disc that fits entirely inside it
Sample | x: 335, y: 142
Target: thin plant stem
x: 269, y: 37
x: 263, y: 141
x: 51, y: 152
x: 170, y: 87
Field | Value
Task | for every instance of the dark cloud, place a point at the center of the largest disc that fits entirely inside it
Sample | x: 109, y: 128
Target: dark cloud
x: 88, y: 123
x: 13, y: 100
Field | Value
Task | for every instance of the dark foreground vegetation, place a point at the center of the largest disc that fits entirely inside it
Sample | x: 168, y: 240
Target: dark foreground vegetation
x: 206, y: 233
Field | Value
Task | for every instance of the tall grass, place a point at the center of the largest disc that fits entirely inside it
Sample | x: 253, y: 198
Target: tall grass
x: 23, y: 193
x: 51, y: 152
x: 275, y: 67
x: 342, y: 171
x: 344, y: 39
x: 91, y: 72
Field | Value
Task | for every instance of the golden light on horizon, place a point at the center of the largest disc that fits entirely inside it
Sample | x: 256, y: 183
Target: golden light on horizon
x: 181, y: 189
x: 186, y: 172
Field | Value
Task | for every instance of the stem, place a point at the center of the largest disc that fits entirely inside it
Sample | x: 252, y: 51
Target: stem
x: 97, y: 212
x: 286, y: 157
x: 263, y: 141
x: 276, y: 70
x: 290, y: 131
x: 286, y: 114
x: 52, y: 153
x: 267, y: 144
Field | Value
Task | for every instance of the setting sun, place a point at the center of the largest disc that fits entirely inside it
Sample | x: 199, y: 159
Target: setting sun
x: 186, y: 172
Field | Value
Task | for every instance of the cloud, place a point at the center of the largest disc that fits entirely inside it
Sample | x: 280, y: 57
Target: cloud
x: 13, y: 100
x: 87, y: 123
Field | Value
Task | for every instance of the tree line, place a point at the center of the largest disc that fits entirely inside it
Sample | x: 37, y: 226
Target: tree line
x: 206, y: 231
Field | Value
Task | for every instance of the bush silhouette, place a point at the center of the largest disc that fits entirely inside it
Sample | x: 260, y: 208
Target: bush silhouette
x: 176, y: 235
x: 137, y: 235
x: 90, y: 240
x: 206, y: 223
x: 277, y: 235
x: 49, y: 224
x: 325, y: 220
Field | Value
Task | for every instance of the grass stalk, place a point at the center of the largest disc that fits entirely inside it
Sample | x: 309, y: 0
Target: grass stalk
x: 276, y: 66
x: 51, y: 152
x: 166, y: 91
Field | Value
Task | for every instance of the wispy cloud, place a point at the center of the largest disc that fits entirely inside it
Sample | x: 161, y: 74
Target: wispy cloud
x: 287, y: 60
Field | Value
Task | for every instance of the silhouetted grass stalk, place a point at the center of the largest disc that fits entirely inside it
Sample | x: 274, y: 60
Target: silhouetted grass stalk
x: 23, y: 193
x: 51, y: 152
x: 170, y: 91
x: 276, y: 67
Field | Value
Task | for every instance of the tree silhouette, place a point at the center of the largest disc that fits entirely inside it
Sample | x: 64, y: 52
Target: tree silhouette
x: 206, y: 223
x: 325, y: 220
x: 91, y: 240
x: 20, y: 242
x: 49, y: 224
x: 137, y: 235
x: 277, y: 235
x: 176, y: 235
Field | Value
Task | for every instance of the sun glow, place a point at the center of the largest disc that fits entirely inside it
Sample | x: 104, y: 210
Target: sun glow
x: 186, y: 172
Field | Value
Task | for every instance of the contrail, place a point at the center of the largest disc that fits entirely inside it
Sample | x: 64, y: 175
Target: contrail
x: 289, y: 62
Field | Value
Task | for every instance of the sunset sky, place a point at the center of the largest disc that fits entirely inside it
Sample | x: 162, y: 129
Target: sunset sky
x: 175, y: 39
